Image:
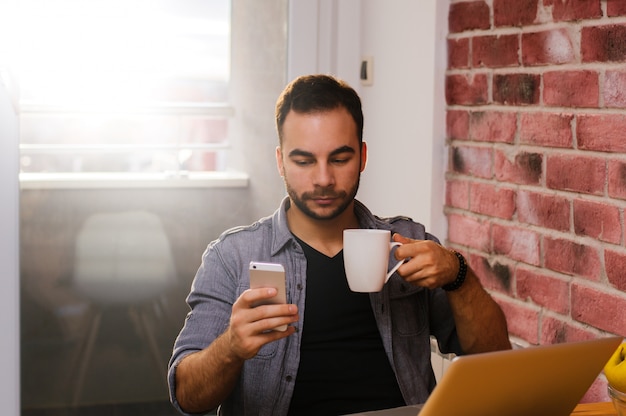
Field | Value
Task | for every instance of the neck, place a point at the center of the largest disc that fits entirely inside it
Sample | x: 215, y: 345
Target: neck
x: 326, y: 236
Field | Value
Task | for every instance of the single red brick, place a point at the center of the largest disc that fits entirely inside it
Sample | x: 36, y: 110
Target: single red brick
x: 597, y: 220
x: 566, y: 256
x: 495, y: 51
x: 516, y: 243
x: 468, y: 16
x: 566, y: 10
x: 615, y: 88
x: 516, y: 89
x: 474, y: 161
x: 494, y: 276
x: 457, y: 194
x: 576, y: 173
x: 469, y: 231
x: 466, y: 89
x: 603, y: 43
x: 556, y: 331
x: 514, y: 12
x: 492, y: 200
x: 544, y: 290
x: 493, y: 126
x: 615, y: 263
x: 615, y: 8
x: 599, y: 308
x: 522, y: 319
x: 548, y: 47
x: 549, y: 211
x: 458, y: 53
x: 602, y: 132
x: 571, y: 88
x: 617, y: 179
x: 525, y: 168
x: 457, y: 123
x: 546, y: 129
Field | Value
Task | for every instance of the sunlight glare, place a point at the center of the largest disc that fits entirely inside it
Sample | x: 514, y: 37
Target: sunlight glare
x: 105, y: 52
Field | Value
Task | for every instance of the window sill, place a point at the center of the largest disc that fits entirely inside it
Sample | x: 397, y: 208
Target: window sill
x: 133, y: 180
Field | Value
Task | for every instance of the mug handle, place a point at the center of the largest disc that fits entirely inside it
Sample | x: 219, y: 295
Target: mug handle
x: 398, y: 264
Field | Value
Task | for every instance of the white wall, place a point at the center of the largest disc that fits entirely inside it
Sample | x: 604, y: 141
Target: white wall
x: 9, y: 258
x: 325, y: 37
x: 404, y: 108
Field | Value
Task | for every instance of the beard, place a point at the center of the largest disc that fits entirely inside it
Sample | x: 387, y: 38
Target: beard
x: 300, y: 201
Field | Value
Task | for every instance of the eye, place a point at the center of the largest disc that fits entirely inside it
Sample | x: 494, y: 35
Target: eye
x: 303, y: 162
x: 340, y: 160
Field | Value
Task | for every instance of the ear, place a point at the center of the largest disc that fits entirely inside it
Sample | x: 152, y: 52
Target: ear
x: 363, y: 156
x: 279, y: 161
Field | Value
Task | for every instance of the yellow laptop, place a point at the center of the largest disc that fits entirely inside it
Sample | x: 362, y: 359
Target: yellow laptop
x: 546, y: 380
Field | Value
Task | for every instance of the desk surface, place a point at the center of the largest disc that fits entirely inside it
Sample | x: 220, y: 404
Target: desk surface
x: 595, y: 409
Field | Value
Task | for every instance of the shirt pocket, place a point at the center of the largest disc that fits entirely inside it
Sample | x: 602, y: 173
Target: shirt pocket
x: 261, y: 381
x: 267, y: 351
x: 409, y: 309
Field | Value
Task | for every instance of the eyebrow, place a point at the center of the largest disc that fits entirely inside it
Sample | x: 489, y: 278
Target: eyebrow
x: 304, y: 153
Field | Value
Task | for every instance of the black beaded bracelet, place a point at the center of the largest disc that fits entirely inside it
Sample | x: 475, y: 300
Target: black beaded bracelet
x: 460, y: 277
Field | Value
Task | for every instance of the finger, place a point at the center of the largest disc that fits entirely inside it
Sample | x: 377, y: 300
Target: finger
x: 269, y: 324
x: 255, y: 304
x: 398, y: 252
x: 272, y: 335
x: 254, y: 296
x: 248, y: 333
x: 427, y: 282
x: 425, y: 250
x: 401, y: 239
x: 264, y: 312
x: 416, y: 275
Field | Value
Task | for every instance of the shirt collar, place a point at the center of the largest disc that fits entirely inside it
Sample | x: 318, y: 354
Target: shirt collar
x: 282, y: 234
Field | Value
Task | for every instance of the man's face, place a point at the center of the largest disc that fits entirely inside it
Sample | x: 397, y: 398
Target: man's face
x: 321, y: 162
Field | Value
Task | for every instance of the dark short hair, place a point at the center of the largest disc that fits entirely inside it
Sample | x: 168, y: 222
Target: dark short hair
x: 318, y: 93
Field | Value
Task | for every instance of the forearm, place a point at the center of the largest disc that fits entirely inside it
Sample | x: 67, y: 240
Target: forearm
x: 481, y: 324
x: 206, y: 378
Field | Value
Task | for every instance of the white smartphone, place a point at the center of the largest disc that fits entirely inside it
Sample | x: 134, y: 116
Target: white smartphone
x: 269, y: 275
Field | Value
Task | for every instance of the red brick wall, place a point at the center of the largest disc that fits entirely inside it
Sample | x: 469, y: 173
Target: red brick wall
x: 536, y: 184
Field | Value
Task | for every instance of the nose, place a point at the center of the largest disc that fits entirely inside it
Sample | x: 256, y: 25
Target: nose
x: 324, y: 175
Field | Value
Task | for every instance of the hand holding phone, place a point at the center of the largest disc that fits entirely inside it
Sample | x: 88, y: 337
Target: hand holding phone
x: 269, y: 275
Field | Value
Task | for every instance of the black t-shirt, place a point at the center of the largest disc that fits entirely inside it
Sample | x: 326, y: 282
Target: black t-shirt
x: 343, y: 366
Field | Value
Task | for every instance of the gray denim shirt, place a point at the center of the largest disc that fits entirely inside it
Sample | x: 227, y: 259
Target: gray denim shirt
x: 406, y: 315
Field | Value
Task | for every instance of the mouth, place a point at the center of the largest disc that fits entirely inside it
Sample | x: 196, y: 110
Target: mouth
x: 323, y: 201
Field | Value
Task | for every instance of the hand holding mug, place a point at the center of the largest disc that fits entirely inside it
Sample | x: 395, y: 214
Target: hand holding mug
x: 431, y: 264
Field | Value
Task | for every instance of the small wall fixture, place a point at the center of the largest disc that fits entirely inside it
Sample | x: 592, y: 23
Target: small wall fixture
x: 367, y: 70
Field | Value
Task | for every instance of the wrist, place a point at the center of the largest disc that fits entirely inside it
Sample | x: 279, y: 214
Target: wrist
x: 460, y: 276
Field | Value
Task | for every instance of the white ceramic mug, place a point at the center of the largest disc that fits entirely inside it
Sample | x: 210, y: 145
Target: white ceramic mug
x: 366, y: 258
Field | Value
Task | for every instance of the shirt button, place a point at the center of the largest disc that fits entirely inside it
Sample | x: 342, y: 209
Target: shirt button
x: 289, y: 378
x: 299, y: 286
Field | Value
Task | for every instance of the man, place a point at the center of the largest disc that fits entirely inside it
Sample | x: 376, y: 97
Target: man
x: 343, y: 352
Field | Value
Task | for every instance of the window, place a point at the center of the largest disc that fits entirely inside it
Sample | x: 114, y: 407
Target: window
x: 57, y: 320
x: 122, y: 87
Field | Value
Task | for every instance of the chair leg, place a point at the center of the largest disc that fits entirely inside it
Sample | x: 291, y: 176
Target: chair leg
x: 84, y: 358
x: 140, y: 316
